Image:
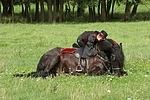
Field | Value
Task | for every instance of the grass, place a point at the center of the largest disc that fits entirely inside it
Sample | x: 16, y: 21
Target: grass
x: 22, y: 45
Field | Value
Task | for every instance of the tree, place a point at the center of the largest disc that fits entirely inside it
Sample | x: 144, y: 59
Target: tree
x: 0, y: 13
x: 91, y: 7
x: 112, y: 10
x: 37, y: 10
x: 49, y: 6
x: 134, y: 10
x: 127, y: 10
x: 42, y: 10
x: 12, y: 10
x: 6, y: 7
x: 109, y: 2
x: 27, y: 10
x: 129, y: 4
x: 103, y: 11
x: 61, y: 10
x: 55, y: 10
x: 80, y: 9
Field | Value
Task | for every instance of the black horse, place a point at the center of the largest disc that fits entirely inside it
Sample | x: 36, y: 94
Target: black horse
x: 52, y: 61
x: 60, y: 60
x: 115, y: 54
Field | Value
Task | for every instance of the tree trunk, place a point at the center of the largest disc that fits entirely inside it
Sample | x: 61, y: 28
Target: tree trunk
x: 103, y: 11
x: 57, y: 6
x: 68, y: 10
x: 5, y: 7
x: 94, y: 14
x: 54, y: 16
x: 0, y: 13
x: 73, y: 8
x: 134, y: 10
x: 42, y: 10
x: 61, y: 10
x: 98, y: 8
x: 9, y: 11
x: 49, y: 4
x: 127, y: 11
x: 23, y: 11
x: 12, y: 11
x: 90, y: 14
x: 80, y: 10
x: 108, y: 8
x: 37, y: 11
x: 26, y: 10
x: 30, y: 14
x: 112, y: 10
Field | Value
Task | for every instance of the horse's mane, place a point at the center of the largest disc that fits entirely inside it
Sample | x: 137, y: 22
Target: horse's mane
x: 113, y: 42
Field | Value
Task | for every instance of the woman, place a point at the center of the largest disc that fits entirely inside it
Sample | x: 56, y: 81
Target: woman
x: 88, y: 40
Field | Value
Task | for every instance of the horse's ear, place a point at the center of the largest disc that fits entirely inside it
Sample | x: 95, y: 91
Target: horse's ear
x: 121, y: 45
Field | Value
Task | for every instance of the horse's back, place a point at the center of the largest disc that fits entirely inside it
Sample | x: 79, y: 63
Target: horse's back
x: 68, y: 63
x: 52, y: 56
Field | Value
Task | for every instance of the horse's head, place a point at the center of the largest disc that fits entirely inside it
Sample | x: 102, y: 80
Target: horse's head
x: 117, y: 61
x: 115, y: 54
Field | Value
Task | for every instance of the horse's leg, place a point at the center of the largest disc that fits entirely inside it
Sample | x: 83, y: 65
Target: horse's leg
x: 54, y: 70
x: 59, y: 69
x: 52, y: 65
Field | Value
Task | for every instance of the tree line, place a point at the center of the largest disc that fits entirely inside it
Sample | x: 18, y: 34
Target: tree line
x: 53, y: 11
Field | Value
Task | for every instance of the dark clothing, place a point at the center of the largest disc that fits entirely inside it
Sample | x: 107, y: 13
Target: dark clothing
x: 87, y: 41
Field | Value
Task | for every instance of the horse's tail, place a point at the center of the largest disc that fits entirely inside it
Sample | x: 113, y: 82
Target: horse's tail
x: 32, y: 74
x: 47, y: 65
x: 25, y: 75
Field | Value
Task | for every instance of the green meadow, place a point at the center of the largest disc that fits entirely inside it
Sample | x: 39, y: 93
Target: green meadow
x: 22, y: 45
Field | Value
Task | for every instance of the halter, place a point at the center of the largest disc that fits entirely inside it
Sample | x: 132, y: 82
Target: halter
x: 116, y: 68
x: 113, y: 69
x: 104, y: 60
